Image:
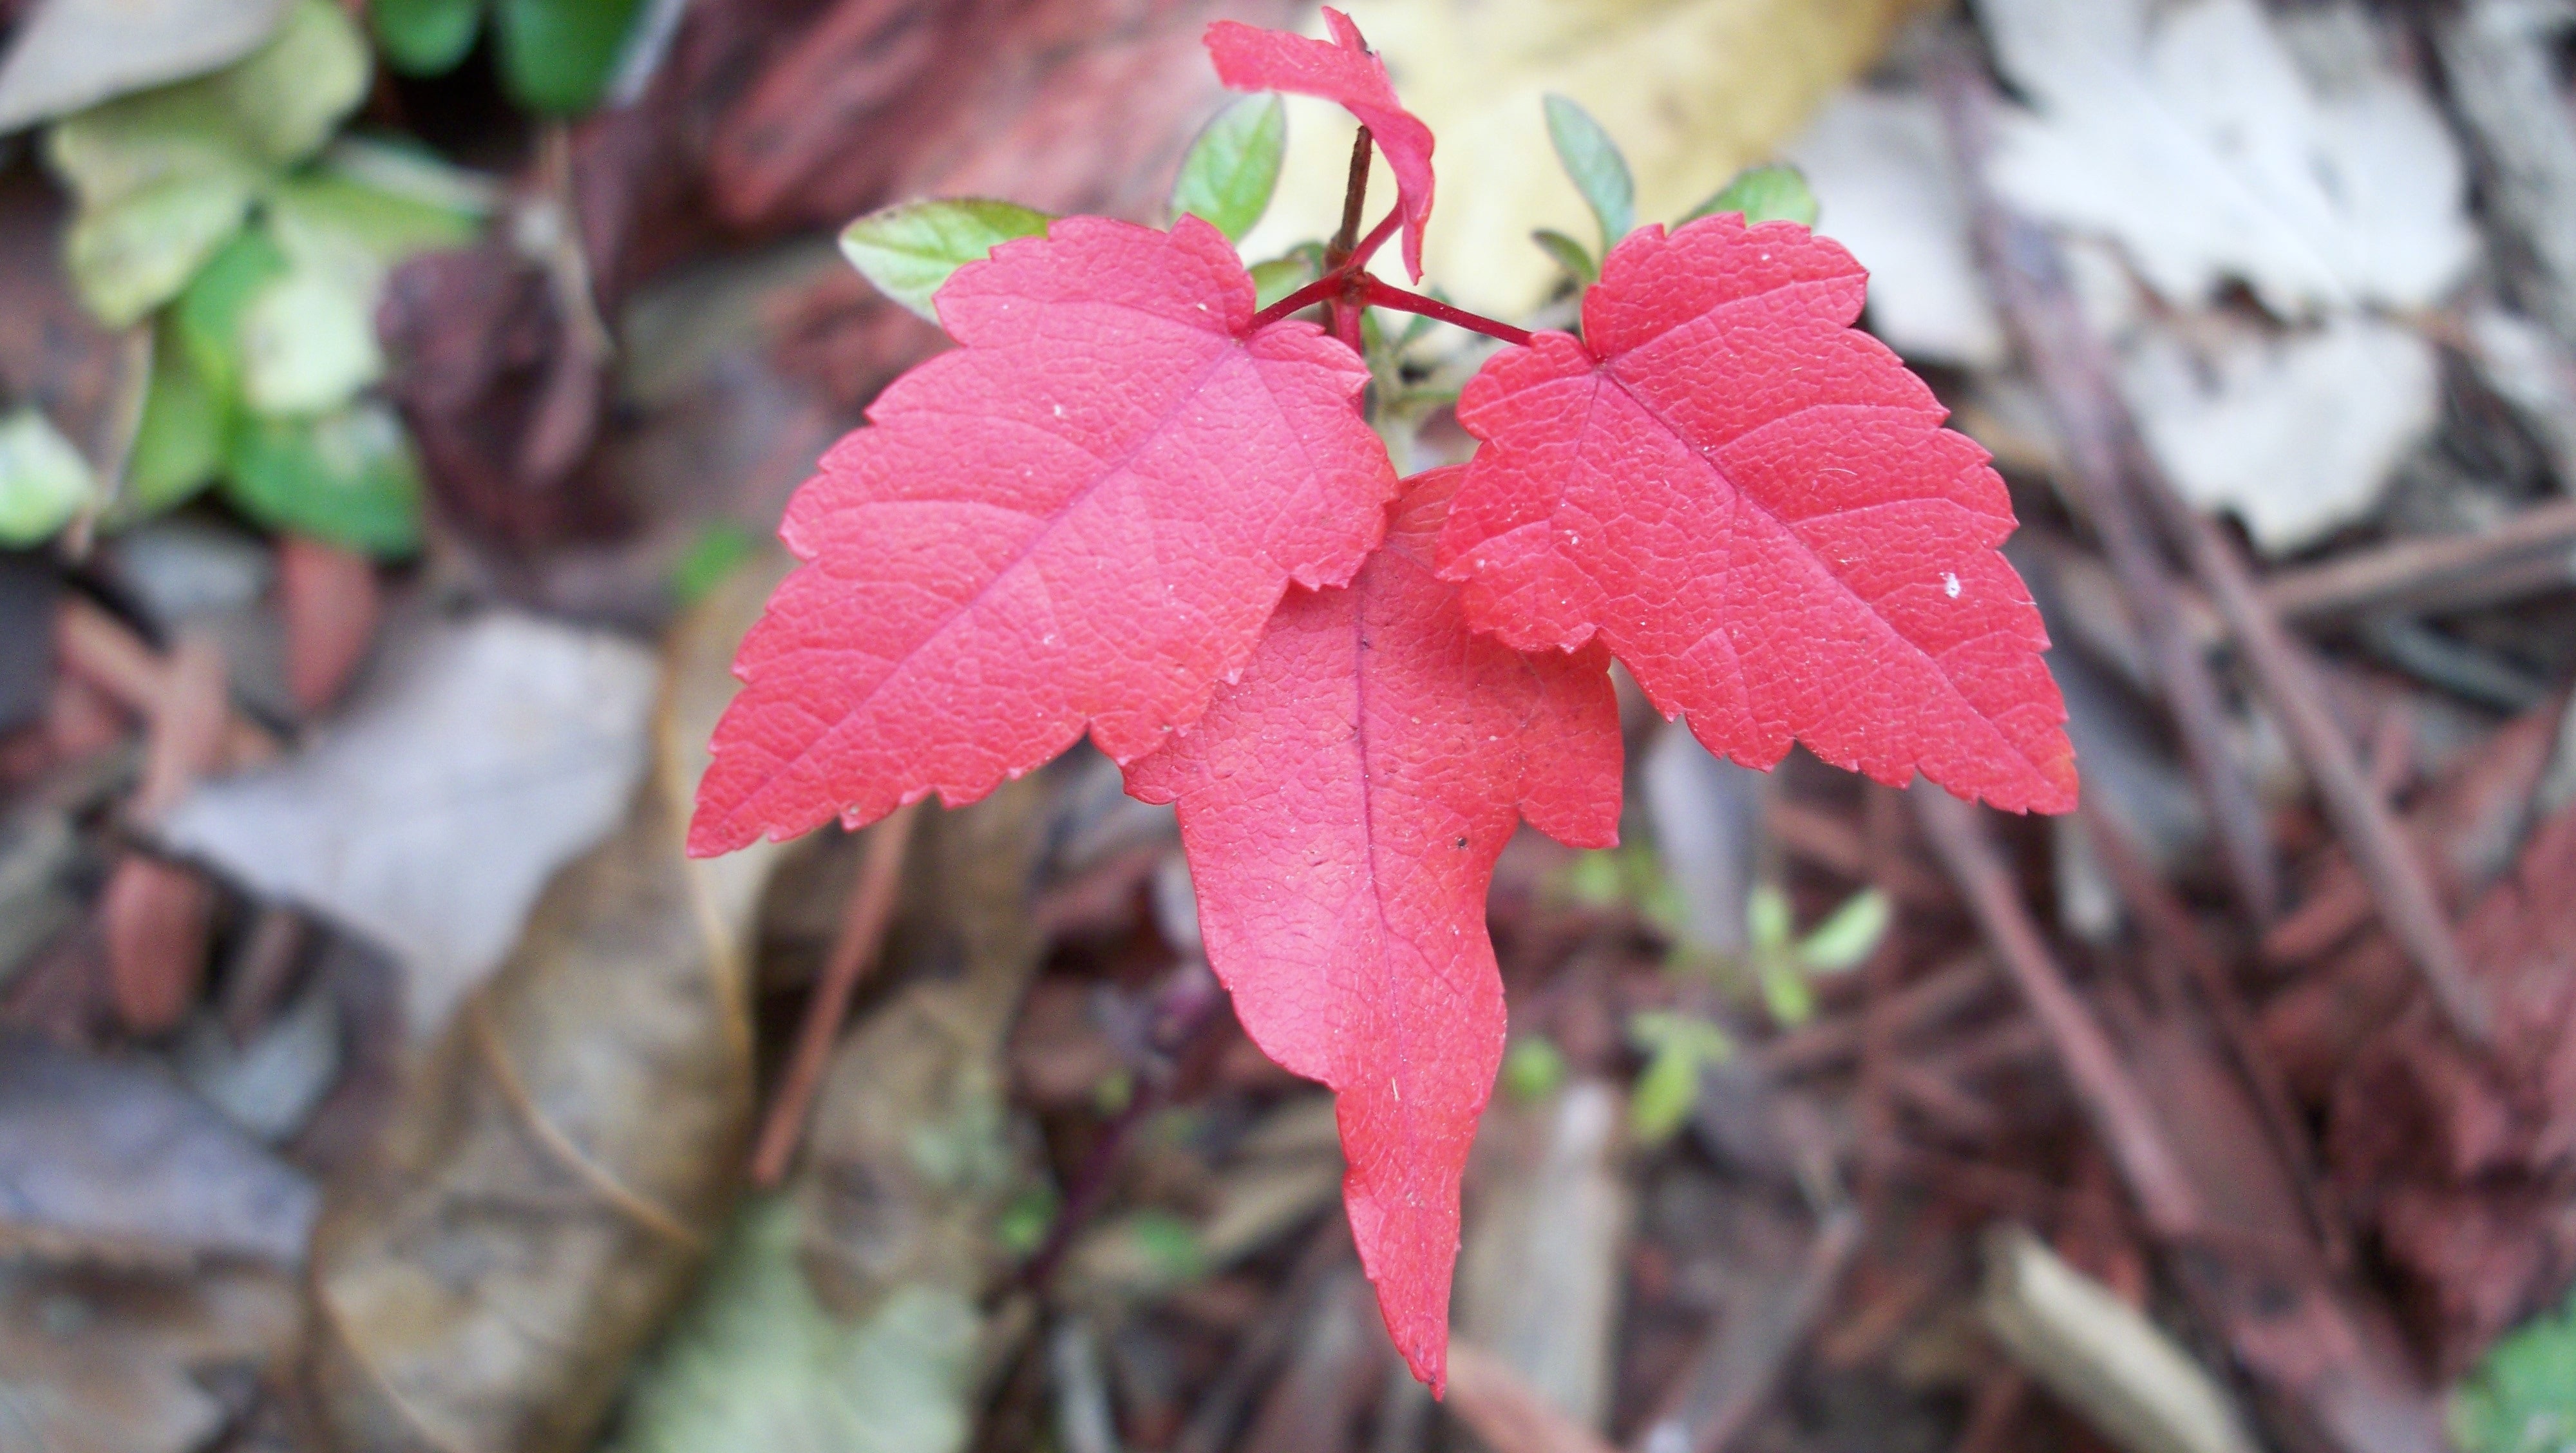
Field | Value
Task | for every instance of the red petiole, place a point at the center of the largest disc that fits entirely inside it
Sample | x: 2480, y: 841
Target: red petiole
x: 1351, y: 285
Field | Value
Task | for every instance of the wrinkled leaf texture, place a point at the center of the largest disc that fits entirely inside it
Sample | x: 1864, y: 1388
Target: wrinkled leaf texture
x: 1344, y: 72
x: 1081, y: 517
x: 1342, y: 805
x: 1756, y: 508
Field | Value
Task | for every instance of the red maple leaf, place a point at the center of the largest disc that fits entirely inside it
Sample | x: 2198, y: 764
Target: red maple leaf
x: 1342, y: 805
x: 1344, y: 72
x: 1756, y: 507
x: 1081, y: 517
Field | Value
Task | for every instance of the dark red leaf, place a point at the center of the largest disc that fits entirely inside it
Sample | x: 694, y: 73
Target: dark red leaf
x: 1080, y: 518
x: 1342, y: 805
x: 1756, y: 507
x: 1344, y: 72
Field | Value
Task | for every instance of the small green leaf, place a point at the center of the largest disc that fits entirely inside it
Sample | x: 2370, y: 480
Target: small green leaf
x: 293, y: 92
x: 1568, y: 254
x: 910, y: 249
x: 1285, y: 274
x: 425, y: 37
x: 44, y: 481
x: 401, y: 167
x: 1763, y: 194
x: 1600, y: 173
x: 1665, y: 1091
x: 1767, y: 918
x: 1849, y: 935
x: 558, y: 56
x: 1678, y: 1047
x: 347, y: 477
x: 308, y: 343
x: 207, y: 317
x: 1785, y: 992
x: 129, y: 256
x: 330, y: 212
x: 1533, y: 1067
x: 179, y: 445
x: 719, y: 551
x: 1233, y: 167
x: 2521, y: 1398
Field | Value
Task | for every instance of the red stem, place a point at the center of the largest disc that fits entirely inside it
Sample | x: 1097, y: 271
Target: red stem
x: 1380, y: 294
x: 1322, y: 289
x: 1377, y: 237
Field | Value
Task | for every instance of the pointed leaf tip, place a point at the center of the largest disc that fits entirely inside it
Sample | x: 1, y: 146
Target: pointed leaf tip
x: 1342, y: 874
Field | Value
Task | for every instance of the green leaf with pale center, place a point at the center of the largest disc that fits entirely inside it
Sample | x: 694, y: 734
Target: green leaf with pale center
x: 910, y: 249
x: 1233, y: 167
x: 1599, y: 172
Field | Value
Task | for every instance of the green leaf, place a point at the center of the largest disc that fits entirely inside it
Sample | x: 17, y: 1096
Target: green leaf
x: 1763, y: 194
x: 1678, y: 1047
x: 44, y: 481
x: 1568, y: 254
x: 1849, y: 935
x: 424, y: 37
x: 129, y: 256
x: 1233, y: 167
x: 1665, y: 1091
x: 1785, y: 991
x: 346, y: 477
x: 756, y: 1362
x: 558, y: 56
x: 404, y: 168
x: 1533, y: 1067
x: 179, y: 445
x: 1286, y: 273
x: 1767, y: 918
x: 2521, y: 1398
x: 306, y: 337
x: 331, y: 212
x: 207, y: 318
x: 717, y: 552
x: 293, y: 92
x: 308, y: 343
x: 1600, y: 173
x: 910, y: 249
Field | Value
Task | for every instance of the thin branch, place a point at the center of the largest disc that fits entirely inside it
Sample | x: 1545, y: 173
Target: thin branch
x: 854, y: 949
x: 1354, y: 196
x: 1377, y: 237
x: 2111, y: 1099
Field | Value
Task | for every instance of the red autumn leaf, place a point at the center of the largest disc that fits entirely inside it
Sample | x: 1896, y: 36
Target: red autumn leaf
x: 1342, y: 805
x: 1341, y: 71
x: 1756, y: 508
x: 1081, y: 517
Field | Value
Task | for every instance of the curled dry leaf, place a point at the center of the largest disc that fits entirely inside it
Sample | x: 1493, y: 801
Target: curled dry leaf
x: 559, y: 1162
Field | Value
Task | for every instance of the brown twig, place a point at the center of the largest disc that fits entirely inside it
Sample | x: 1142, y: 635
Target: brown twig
x: 2399, y: 887
x: 1727, y: 1381
x: 2111, y: 1099
x: 2169, y: 925
x: 1827, y: 1043
x: 854, y: 949
x: 2030, y: 282
x: 1506, y: 1412
x: 2531, y: 550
